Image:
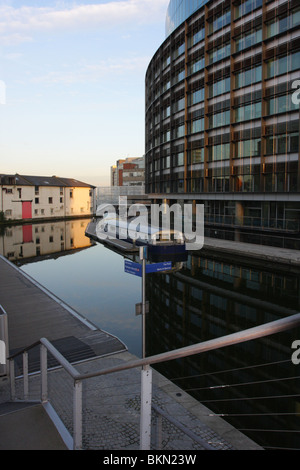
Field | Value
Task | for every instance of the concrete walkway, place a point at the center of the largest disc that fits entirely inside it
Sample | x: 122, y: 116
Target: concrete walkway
x: 258, y: 252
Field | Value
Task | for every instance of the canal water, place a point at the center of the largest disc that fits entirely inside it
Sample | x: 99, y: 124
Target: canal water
x: 255, y: 385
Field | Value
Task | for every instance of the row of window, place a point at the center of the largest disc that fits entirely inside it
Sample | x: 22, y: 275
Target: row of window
x: 274, y: 106
x: 178, y: 13
x: 243, y: 41
x: 274, y: 182
x: 274, y: 145
x: 274, y: 67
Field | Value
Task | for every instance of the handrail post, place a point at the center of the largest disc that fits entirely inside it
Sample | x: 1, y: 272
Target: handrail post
x: 12, y: 379
x: 44, y: 377
x: 146, y: 404
x: 25, y: 375
x: 77, y: 415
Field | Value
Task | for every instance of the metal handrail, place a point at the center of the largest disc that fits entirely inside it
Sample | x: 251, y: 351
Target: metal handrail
x: 267, y: 329
x: 260, y: 331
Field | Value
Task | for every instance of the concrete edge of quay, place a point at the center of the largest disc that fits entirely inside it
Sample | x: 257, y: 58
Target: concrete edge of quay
x: 252, y: 252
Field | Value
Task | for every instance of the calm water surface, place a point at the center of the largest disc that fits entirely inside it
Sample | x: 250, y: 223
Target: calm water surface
x: 94, y: 283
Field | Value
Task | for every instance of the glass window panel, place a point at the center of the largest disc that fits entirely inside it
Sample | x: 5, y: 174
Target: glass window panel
x: 197, y: 125
x: 281, y: 144
x: 294, y: 142
x: 295, y: 61
x: 296, y: 17
x: 197, y: 155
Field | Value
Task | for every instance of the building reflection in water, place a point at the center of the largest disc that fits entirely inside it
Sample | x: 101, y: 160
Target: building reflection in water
x: 22, y: 243
x: 211, y: 298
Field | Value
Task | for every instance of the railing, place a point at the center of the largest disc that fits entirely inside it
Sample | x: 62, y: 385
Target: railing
x: 289, y: 225
x: 146, y: 374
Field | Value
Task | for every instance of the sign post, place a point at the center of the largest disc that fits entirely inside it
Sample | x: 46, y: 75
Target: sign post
x: 141, y: 270
x: 146, y: 382
x: 143, y: 256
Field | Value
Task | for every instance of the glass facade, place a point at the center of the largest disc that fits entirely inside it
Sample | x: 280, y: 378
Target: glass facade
x: 179, y: 11
x: 220, y: 118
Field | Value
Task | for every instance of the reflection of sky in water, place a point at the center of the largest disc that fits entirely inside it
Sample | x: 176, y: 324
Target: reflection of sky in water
x: 94, y: 283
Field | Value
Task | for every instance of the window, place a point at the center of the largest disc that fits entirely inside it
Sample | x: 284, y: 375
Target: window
x: 197, y: 126
x: 219, y: 21
x: 179, y: 51
x: 178, y: 160
x: 37, y: 200
x: 179, y: 131
x: 197, y: 96
x: 248, y: 112
x: 197, y: 155
x: 283, y: 23
x: 219, y: 119
x: 246, y: 7
x: 283, y: 64
x: 220, y: 87
x: 279, y: 144
x: 219, y: 53
x: 166, y: 112
x: 20, y: 192
x: 197, y: 37
x: 179, y: 105
x: 71, y: 193
x: 180, y: 76
x: 50, y: 200
x: 37, y: 190
x: 197, y: 65
x: 166, y: 136
x: 280, y: 104
x: 248, y: 148
x: 219, y: 152
x: 247, y: 77
x: 247, y: 40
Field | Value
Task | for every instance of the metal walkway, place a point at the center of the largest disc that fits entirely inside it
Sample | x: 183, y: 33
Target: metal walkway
x: 28, y: 427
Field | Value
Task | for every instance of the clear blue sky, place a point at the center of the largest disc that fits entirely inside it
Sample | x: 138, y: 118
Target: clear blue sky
x: 74, y: 73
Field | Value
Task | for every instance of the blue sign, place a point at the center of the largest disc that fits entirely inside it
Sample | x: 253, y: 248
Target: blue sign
x: 157, y: 267
x: 133, y: 268
x: 136, y: 268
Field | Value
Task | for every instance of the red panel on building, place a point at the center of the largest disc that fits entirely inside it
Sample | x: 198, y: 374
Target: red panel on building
x: 27, y: 233
x: 26, y: 210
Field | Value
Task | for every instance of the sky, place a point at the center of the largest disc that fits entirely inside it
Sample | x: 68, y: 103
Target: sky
x: 72, y: 84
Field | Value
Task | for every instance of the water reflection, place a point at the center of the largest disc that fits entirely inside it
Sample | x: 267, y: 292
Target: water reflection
x: 31, y: 241
x: 211, y: 298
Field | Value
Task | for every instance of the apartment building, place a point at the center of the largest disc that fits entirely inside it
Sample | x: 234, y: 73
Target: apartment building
x: 42, y: 197
x: 128, y: 172
x: 222, y: 116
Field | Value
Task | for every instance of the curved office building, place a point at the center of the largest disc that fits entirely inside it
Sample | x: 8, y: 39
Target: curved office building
x: 222, y: 116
